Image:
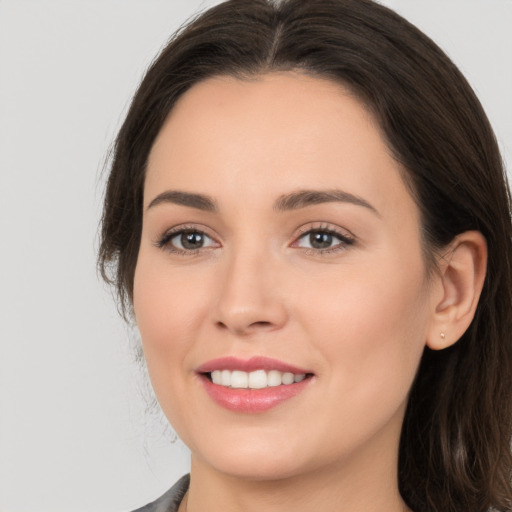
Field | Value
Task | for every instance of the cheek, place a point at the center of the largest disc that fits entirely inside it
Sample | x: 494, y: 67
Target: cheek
x: 166, y: 301
x: 167, y: 309
x: 371, y: 327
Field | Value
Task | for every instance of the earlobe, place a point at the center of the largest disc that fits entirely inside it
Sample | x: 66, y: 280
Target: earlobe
x: 462, y: 270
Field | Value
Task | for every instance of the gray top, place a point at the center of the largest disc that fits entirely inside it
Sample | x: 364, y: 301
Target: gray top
x: 171, y: 500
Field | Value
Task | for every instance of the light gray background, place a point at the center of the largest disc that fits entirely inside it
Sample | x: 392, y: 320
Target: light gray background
x: 74, y: 433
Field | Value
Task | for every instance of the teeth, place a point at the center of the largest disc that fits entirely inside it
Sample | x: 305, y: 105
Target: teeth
x: 287, y: 378
x: 225, y: 378
x: 258, y: 379
x: 274, y: 378
x: 239, y: 379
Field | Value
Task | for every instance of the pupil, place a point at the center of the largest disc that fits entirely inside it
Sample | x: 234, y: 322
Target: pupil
x: 320, y: 240
x: 191, y: 240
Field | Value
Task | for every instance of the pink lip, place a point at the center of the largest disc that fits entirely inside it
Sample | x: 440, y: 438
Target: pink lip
x: 249, y: 365
x: 250, y: 400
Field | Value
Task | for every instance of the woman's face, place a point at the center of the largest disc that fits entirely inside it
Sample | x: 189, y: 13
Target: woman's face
x: 277, y: 226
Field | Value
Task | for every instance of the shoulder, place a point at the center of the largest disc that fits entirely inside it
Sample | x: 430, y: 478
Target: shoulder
x: 170, y: 501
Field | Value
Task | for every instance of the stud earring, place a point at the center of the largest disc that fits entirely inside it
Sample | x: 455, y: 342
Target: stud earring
x: 443, y: 336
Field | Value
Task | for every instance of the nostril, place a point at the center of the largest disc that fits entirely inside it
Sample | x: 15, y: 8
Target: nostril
x: 240, y: 329
x: 260, y: 324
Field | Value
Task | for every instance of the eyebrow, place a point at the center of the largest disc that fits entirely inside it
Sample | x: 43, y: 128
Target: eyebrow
x: 286, y: 202
x: 198, y: 201
x: 304, y: 198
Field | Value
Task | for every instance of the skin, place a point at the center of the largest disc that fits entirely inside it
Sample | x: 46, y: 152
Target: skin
x: 358, y: 315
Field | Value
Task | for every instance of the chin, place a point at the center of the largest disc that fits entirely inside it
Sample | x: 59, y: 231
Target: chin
x: 259, y: 469
x: 258, y: 461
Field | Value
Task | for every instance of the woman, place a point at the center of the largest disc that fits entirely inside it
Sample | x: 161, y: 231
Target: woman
x: 308, y: 218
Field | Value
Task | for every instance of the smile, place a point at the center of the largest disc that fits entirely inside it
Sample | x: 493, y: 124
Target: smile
x: 254, y: 385
x: 258, y: 379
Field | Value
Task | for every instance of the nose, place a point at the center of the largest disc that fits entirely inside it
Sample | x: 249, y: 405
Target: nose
x: 250, y: 299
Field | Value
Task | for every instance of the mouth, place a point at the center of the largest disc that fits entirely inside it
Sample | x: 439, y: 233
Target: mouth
x: 258, y: 379
x: 254, y: 385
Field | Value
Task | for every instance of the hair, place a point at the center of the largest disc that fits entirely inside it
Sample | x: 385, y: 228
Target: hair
x: 455, y: 441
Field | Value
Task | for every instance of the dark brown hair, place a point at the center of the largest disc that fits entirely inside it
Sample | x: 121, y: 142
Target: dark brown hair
x: 455, y: 444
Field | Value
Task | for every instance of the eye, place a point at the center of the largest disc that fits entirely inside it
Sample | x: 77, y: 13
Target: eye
x: 186, y: 241
x: 323, y: 240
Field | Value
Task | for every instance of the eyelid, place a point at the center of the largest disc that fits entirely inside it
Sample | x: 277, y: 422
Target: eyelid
x: 324, y: 226
x: 163, y: 241
x: 344, y: 235
x: 346, y: 238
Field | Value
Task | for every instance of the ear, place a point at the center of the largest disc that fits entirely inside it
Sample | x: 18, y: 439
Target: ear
x: 462, y: 269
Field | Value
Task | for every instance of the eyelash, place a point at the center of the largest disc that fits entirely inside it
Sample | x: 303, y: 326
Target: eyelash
x: 165, y: 240
x: 345, y: 240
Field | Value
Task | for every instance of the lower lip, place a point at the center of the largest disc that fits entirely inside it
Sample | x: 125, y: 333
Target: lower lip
x: 252, y: 400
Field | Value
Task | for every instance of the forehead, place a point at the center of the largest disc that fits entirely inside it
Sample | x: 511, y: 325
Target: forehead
x: 287, y: 130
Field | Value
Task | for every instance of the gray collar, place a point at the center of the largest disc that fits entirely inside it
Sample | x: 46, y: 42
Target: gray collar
x: 170, y: 501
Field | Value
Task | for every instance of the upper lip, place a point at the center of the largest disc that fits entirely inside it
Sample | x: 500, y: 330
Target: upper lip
x: 249, y: 365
